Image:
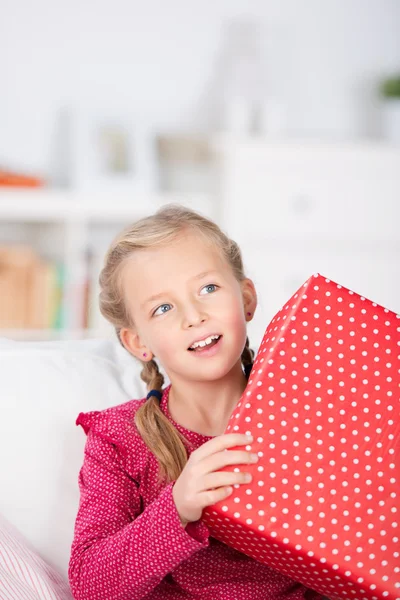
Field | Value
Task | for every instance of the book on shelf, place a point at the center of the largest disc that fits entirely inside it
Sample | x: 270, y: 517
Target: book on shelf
x: 32, y: 291
x: 29, y: 290
x: 40, y: 294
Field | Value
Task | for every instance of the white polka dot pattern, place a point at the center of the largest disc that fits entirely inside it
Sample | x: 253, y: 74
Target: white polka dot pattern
x: 322, y: 403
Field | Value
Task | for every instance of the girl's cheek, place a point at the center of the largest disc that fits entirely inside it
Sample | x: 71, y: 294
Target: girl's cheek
x: 162, y: 339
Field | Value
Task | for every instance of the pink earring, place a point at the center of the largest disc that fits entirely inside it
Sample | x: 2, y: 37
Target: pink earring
x: 248, y: 314
x: 145, y: 354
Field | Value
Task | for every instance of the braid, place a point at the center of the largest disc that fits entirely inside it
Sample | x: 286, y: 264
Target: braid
x: 247, y: 354
x: 152, y: 377
x: 159, y: 435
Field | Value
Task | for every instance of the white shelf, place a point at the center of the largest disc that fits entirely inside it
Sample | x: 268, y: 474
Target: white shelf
x: 77, y: 213
x: 52, y: 334
x: 46, y: 205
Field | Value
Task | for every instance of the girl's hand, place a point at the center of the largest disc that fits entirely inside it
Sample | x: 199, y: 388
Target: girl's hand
x: 201, y: 484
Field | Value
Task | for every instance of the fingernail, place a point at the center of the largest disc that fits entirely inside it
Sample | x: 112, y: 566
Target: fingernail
x: 249, y: 438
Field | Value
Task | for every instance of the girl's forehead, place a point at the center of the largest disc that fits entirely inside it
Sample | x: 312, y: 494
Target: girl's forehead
x: 178, y: 262
x: 183, y: 253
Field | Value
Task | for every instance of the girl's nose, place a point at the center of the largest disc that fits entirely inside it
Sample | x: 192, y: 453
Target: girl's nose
x: 193, y: 317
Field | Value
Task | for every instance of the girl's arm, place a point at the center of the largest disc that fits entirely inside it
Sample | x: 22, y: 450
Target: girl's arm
x: 118, y: 551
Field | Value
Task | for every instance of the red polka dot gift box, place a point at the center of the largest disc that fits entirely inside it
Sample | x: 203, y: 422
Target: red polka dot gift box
x: 323, y: 405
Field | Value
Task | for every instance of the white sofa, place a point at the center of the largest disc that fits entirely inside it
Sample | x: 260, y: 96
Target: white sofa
x: 43, y: 387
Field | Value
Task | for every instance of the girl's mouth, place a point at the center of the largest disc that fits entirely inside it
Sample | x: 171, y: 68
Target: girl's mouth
x: 209, y: 349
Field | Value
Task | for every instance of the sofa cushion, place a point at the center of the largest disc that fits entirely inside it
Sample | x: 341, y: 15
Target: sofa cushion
x: 43, y: 388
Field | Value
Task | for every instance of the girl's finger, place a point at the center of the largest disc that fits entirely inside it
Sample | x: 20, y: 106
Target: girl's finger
x: 219, y: 443
x: 211, y: 497
x: 224, y: 479
x: 230, y: 457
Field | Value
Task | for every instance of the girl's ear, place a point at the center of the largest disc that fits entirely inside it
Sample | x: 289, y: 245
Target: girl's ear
x: 132, y: 342
x: 249, y: 298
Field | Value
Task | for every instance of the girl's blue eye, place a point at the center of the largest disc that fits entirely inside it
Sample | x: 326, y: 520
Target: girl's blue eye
x: 213, y: 287
x: 163, y: 311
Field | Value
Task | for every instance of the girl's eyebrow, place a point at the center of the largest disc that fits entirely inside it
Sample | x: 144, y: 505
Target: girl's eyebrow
x: 162, y: 294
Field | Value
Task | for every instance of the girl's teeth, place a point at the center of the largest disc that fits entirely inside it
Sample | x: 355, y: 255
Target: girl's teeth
x: 204, y: 343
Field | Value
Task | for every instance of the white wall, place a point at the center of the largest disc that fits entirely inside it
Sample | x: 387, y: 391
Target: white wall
x: 158, y: 58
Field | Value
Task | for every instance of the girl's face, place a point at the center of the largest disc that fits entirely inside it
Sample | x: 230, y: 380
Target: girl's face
x: 180, y: 294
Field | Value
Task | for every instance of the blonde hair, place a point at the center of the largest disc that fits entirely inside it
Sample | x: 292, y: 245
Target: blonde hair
x: 158, y: 433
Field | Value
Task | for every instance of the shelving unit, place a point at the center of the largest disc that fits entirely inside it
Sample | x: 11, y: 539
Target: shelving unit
x: 294, y: 206
x: 77, y: 216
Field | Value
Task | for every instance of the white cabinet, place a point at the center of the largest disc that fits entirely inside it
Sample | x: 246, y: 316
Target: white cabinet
x: 304, y: 205
x: 279, y: 272
x: 300, y: 208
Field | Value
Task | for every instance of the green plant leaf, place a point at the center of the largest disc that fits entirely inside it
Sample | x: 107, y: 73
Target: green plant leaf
x: 390, y: 87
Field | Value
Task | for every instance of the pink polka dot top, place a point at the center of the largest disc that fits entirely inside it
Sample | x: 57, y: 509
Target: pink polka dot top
x: 129, y: 543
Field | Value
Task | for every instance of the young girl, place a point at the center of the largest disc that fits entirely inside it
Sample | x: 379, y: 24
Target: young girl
x: 174, y: 288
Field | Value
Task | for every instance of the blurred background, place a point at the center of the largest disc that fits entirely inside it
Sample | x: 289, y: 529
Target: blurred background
x: 278, y: 119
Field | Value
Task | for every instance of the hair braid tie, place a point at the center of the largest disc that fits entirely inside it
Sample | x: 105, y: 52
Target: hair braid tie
x: 155, y: 393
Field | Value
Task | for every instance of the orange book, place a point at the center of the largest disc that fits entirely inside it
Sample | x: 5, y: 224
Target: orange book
x: 10, y: 312
x: 40, y: 298
x: 15, y: 265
